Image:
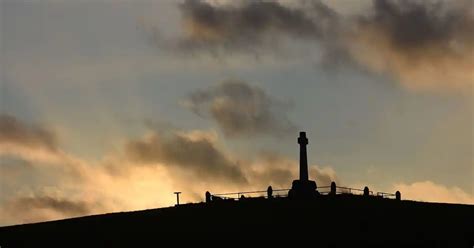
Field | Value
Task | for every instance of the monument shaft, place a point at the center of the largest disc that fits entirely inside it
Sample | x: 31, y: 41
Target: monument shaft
x: 303, y: 141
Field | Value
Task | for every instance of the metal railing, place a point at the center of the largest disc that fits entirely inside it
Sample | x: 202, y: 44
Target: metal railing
x: 347, y: 190
x: 386, y: 195
x: 324, y: 190
x: 259, y: 193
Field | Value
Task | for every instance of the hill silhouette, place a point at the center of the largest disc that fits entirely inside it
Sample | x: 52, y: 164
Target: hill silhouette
x: 328, y: 221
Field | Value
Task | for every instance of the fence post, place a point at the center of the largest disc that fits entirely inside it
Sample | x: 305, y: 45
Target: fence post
x: 366, y: 191
x: 398, y: 195
x: 333, y: 188
x: 269, y: 192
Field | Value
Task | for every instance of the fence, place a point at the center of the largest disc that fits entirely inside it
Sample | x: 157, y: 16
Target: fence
x: 324, y: 190
x: 386, y: 195
x: 260, y: 193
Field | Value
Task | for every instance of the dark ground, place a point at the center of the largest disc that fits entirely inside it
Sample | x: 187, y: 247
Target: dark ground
x: 337, y: 221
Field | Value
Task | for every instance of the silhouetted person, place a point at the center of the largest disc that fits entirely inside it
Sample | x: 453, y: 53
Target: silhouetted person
x: 208, y: 196
x: 242, y: 197
x: 333, y: 189
x: 366, y: 191
x: 269, y: 192
x: 398, y: 195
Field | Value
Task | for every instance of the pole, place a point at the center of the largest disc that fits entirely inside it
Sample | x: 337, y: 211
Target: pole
x: 177, y: 198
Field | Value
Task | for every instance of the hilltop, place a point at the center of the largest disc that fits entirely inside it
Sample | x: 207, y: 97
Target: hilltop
x: 326, y: 221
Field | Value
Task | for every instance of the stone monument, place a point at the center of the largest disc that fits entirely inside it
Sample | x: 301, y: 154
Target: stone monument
x: 303, y: 188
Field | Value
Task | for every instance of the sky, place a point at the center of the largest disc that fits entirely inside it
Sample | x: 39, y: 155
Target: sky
x: 112, y: 105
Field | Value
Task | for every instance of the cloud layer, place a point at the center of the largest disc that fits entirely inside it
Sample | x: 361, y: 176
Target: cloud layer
x: 64, y: 207
x: 200, y: 156
x: 426, y: 45
x: 241, y: 109
x: 432, y: 192
x: 40, y: 208
x: 15, y: 132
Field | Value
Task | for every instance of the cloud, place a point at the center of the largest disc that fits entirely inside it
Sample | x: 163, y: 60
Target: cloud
x: 63, y: 206
x: 241, y: 110
x: 31, y: 160
x: 40, y: 181
x: 33, y: 142
x: 426, y: 45
x: 252, y: 24
x: 432, y: 192
x: 198, y: 155
x: 35, y: 208
x: 15, y: 132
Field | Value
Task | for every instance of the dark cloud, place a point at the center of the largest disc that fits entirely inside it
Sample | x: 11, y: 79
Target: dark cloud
x: 197, y: 156
x: 253, y: 18
x: 417, y: 24
x: 422, y: 44
x: 248, y: 27
x: 64, y: 207
x: 241, y: 110
x: 13, y: 131
x: 425, y: 44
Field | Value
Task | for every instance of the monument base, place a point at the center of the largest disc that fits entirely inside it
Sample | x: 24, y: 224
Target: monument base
x: 303, y: 190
